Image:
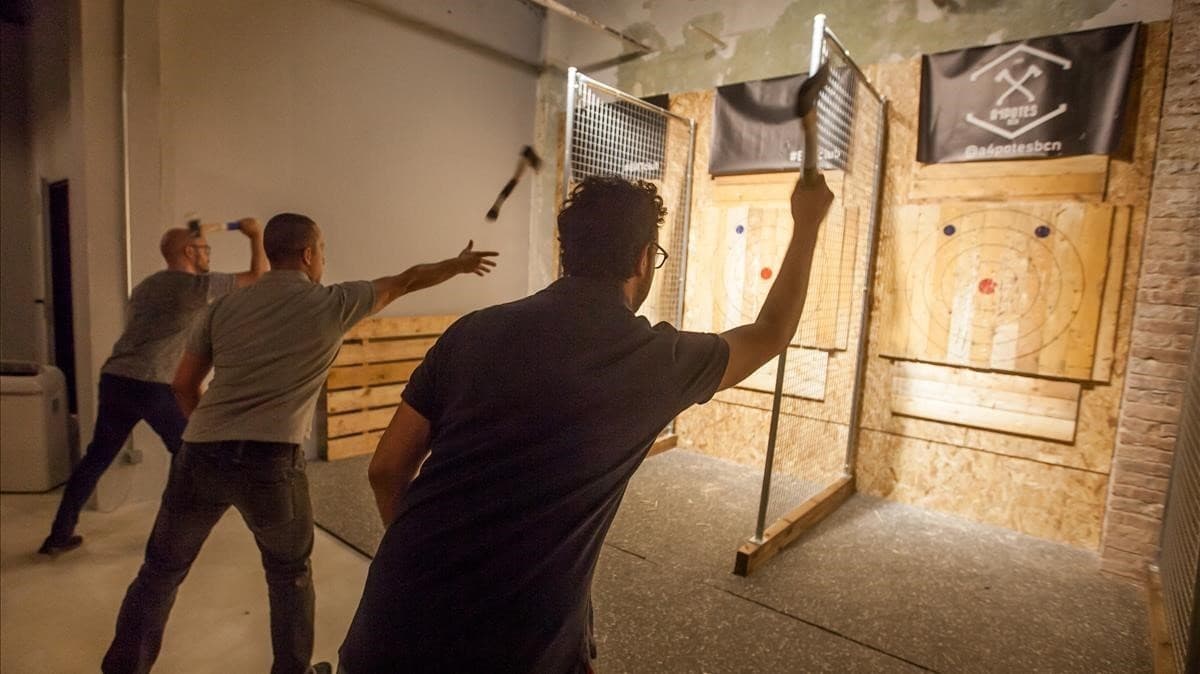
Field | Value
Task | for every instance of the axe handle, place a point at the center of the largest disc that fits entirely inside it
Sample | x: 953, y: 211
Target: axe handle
x: 809, y: 122
x: 494, y: 211
x: 508, y: 188
x: 220, y: 226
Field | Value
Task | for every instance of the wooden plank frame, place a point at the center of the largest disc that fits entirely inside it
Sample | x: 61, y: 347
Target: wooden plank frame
x: 665, y: 442
x: 791, y: 526
x: 1161, y: 645
x: 1106, y: 336
x: 369, y: 373
x: 996, y: 401
x: 1083, y: 178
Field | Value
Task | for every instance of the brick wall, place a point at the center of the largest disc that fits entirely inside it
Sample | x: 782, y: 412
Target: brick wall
x: 1165, y: 317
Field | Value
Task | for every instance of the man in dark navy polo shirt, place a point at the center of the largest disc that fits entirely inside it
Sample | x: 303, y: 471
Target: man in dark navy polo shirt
x: 526, y: 421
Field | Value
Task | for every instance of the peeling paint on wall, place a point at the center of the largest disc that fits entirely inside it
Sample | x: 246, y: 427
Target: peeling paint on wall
x: 771, y: 38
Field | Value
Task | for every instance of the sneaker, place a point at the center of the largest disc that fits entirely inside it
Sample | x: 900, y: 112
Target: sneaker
x: 320, y: 668
x: 55, y: 548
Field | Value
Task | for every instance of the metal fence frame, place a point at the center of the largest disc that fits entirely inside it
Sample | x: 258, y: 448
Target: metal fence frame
x: 770, y: 537
x: 1179, y: 552
x: 577, y: 81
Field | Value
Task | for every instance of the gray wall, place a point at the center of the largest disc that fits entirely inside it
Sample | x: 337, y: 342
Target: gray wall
x: 393, y: 123
x: 393, y: 138
x: 16, y: 232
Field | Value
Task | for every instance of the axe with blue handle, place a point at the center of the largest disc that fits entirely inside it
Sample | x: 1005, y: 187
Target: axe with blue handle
x: 197, y: 228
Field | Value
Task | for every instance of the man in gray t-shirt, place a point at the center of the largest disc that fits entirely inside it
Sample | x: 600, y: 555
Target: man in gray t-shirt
x: 135, y: 380
x: 270, y: 347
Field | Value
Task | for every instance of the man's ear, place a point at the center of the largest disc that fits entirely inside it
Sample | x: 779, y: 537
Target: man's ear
x: 308, y: 255
x: 646, y: 260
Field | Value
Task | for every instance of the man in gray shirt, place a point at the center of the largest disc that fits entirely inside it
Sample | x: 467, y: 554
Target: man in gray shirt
x: 135, y: 382
x: 270, y: 347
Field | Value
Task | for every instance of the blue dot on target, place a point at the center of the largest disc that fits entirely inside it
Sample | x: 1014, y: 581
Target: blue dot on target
x: 949, y: 230
x: 740, y: 229
x: 1042, y: 231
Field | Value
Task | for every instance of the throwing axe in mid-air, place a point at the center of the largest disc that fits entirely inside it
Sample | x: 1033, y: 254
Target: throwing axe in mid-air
x: 528, y: 158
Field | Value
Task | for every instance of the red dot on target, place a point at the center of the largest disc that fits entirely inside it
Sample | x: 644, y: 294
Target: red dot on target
x: 987, y: 286
x: 765, y: 273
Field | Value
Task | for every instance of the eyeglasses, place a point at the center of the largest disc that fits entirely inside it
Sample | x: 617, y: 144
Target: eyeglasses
x: 207, y: 249
x: 660, y: 257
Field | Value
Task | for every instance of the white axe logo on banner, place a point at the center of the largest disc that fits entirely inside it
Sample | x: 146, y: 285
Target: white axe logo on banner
x: 1050, y: 96
x: 1024, y: 114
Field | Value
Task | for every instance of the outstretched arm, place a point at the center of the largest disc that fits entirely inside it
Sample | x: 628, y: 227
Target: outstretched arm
x: 258, y: 256
x: 753, y: 344
x: 389, y: 288
x: 403, y: 447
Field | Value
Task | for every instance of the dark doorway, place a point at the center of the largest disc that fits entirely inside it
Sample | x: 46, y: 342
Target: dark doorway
x: 59, y: 217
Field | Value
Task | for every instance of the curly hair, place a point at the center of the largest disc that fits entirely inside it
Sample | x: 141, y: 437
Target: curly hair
x: 605, y: 224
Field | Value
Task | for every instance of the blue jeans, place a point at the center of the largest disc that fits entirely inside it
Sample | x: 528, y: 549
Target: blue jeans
x: 123, y: 402
x: 265, y: 482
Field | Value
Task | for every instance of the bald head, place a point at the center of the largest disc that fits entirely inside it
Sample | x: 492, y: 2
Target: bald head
x: 184, y: 250
x: 174, y: 243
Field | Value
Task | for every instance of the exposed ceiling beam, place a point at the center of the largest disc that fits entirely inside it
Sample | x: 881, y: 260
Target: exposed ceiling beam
x: 556, y: 6
x: 378, y: 8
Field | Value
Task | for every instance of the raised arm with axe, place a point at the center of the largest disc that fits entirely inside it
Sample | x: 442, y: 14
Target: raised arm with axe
x: 196, y: 227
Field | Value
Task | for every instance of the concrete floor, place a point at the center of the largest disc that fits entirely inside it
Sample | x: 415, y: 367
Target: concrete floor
x: 877, y: 587
x: 58, y: 615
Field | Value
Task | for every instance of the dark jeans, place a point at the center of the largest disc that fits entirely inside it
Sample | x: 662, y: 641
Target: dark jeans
x: 123, y: 403
x: 266, y: 483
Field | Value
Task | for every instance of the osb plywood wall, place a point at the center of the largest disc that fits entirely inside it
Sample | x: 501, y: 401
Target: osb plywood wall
x: 1053, y: 489
x: 1050, y: 488
x: 734, y: 250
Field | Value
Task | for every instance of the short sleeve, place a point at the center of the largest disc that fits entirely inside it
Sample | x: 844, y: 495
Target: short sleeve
x: 355, y: 300
x: 219, y: 285
x: 419, y: 391
x: 200, y: 341
x: 695, y: 363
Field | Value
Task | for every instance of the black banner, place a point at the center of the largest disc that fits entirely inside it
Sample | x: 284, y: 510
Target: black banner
x: 756, y: 130
x: 1051, y: 96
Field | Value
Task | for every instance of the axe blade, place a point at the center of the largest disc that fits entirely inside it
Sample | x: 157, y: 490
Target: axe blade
x: 806, y: 98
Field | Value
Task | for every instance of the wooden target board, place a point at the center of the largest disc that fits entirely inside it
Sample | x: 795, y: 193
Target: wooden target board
x: 751, y: 228
x: 1013, y: 287
x: 807, y: 370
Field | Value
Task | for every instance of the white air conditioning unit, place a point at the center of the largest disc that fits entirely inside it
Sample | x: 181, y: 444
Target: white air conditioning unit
x: 35, y: 452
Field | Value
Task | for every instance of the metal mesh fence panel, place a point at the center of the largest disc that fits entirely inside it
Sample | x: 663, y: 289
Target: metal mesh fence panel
x: 611, y: 133
x: 817, y: 387
x: 1179, y: 559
